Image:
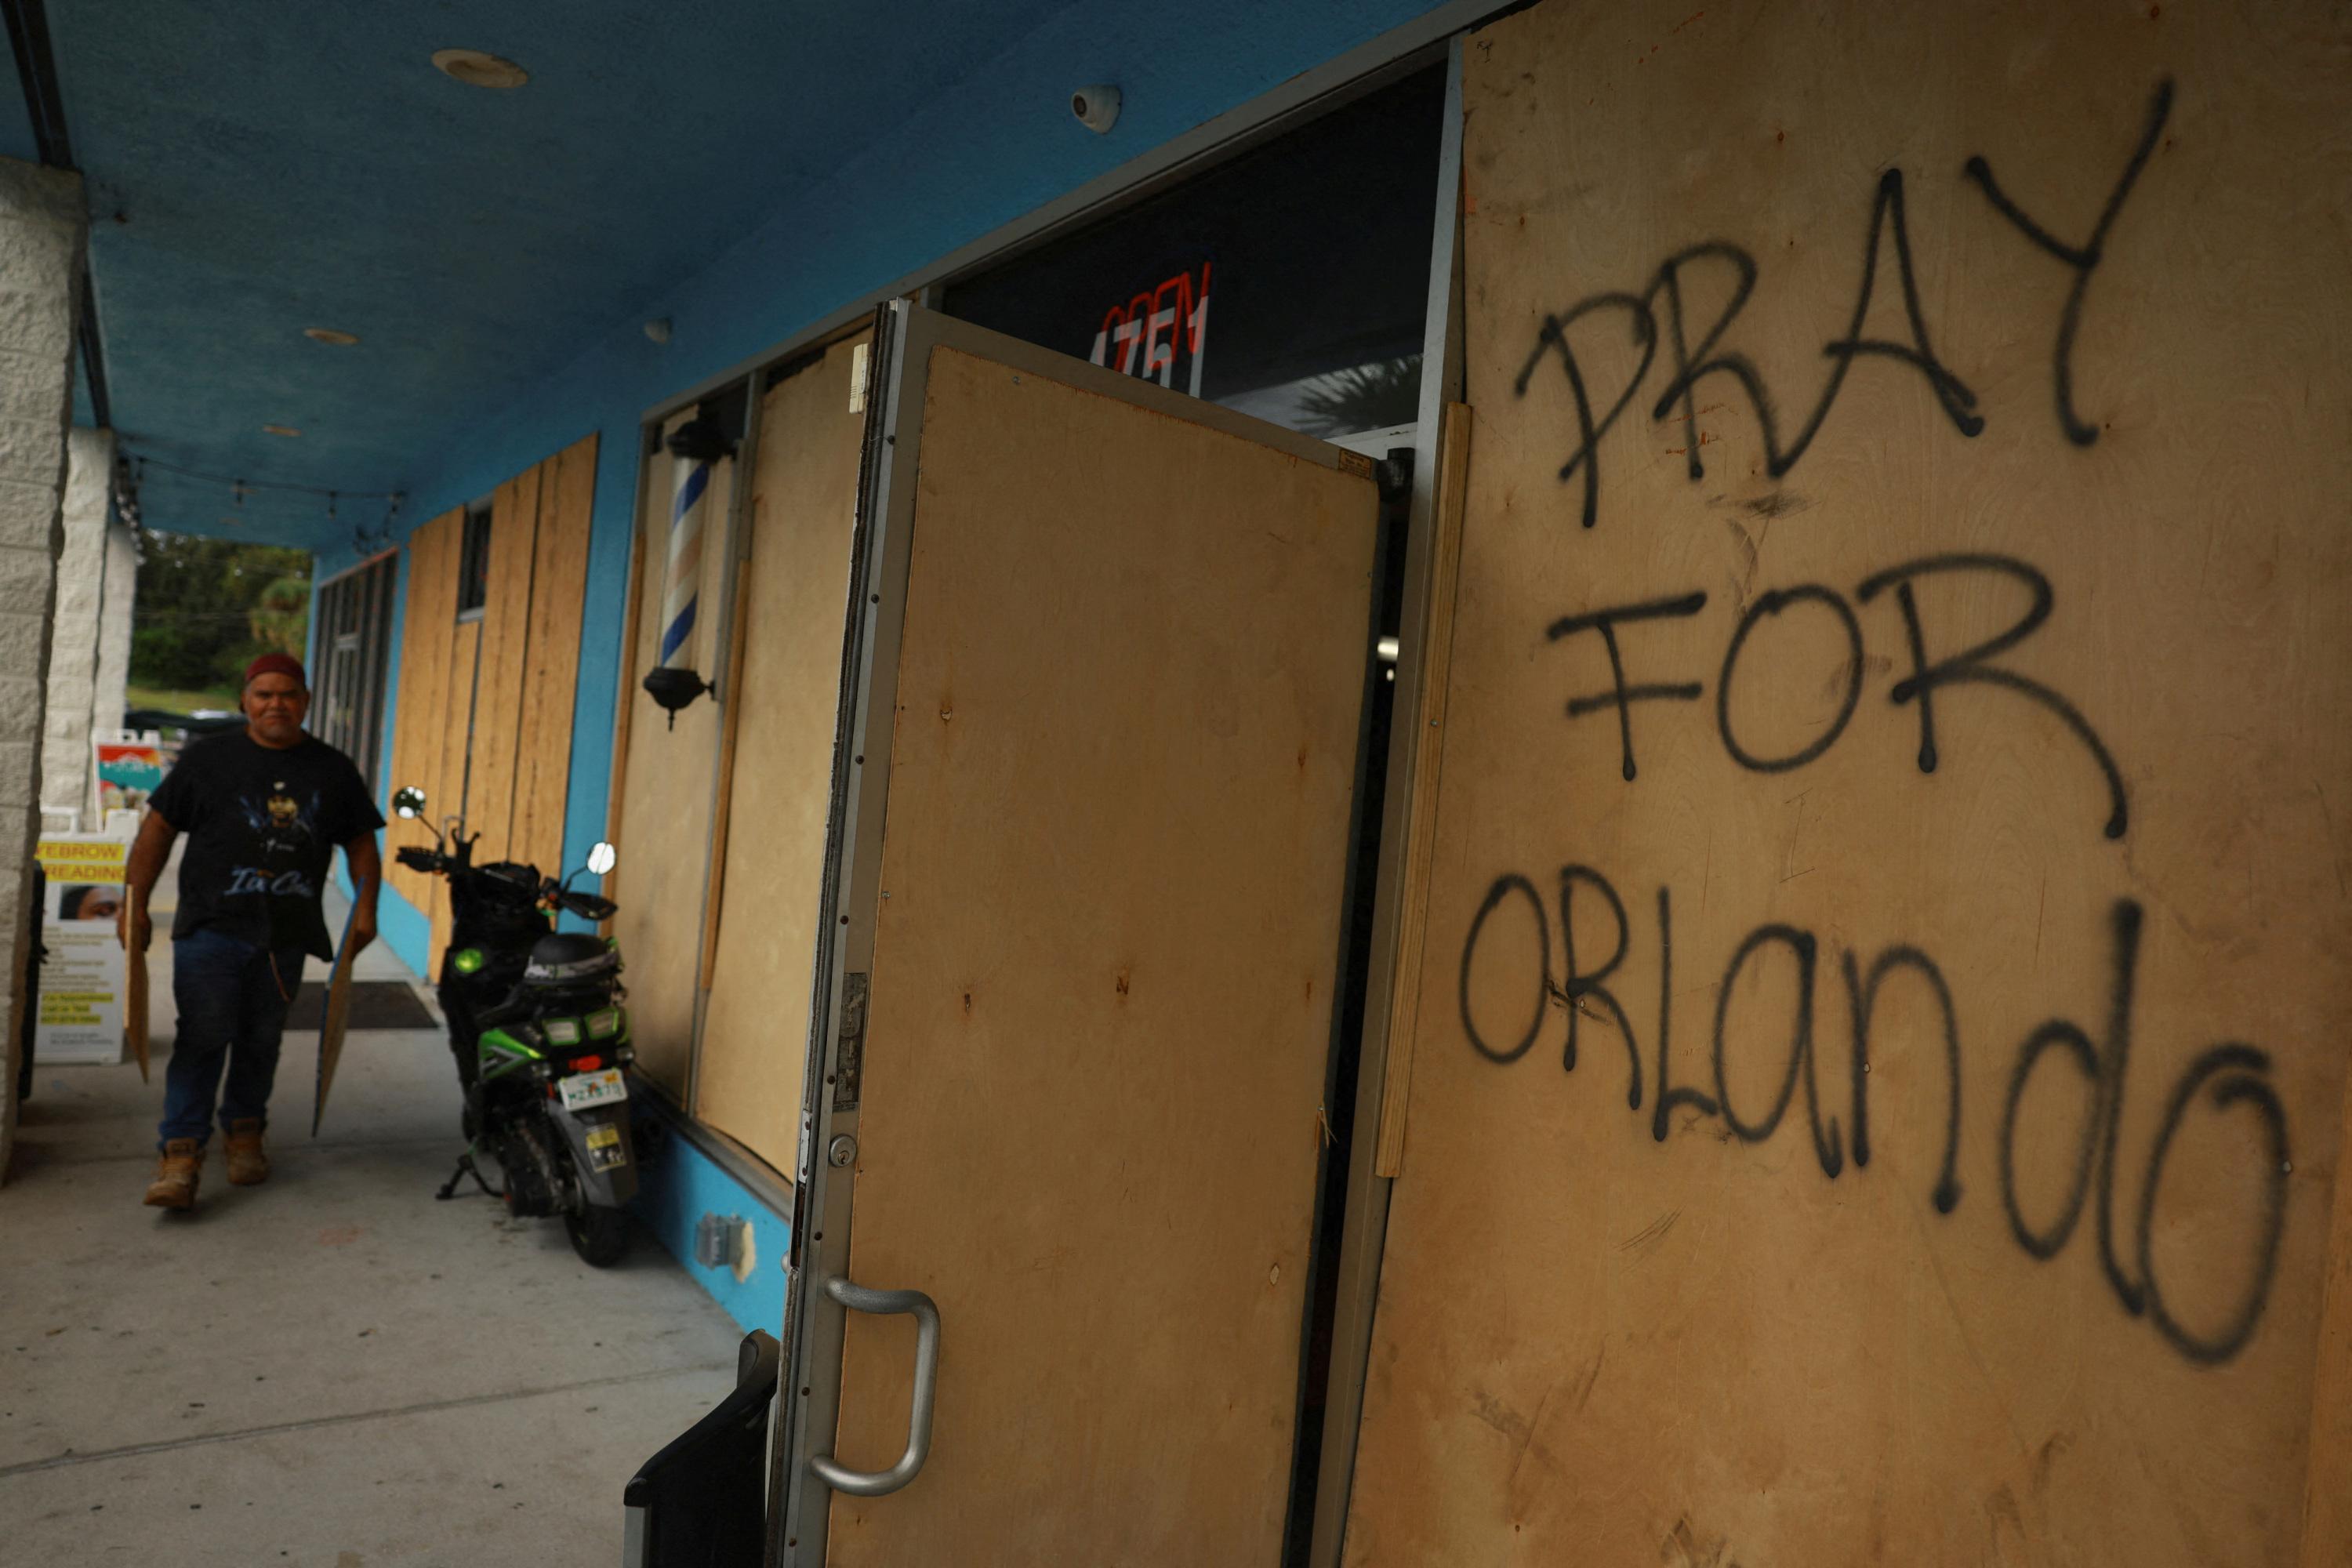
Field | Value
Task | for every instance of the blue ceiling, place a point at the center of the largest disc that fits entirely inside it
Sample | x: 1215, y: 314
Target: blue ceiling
x: 16, y: 124
x: 256, y: 169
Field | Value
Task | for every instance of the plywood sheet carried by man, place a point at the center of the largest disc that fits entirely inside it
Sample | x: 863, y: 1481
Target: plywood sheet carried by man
x: 1880, y: 1071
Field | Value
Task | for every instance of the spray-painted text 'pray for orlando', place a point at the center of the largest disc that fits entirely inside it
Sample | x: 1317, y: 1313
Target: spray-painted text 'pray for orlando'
x: 1581, y: 980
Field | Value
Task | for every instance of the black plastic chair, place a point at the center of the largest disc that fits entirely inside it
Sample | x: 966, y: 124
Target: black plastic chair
x: 702, y: 1501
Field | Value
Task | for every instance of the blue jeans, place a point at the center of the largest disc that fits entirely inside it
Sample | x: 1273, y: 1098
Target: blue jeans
x: 233, y: 998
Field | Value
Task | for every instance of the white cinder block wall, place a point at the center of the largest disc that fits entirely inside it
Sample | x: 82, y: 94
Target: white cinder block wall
x: 66, y: 769
x: 114, y: 634
x: 42, y: 229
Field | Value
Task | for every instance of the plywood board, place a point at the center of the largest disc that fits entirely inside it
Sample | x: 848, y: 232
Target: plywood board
x: 406, y: 761
x: 803, y: 505
x: 427, y: 627
x: 402, y: 759
x: 2328, y: 1488
x: 666, y: 805
x: 731, y: 720
x: 559, y: 589
x: 491, y: 795
x: 1114, y: 860
x: 624, y: 698
x: 137, y: 1024
x: 453, y: 793
x: 2078, y: 456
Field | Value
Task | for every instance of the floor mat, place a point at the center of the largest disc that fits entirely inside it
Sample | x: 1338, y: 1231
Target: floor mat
x: 375, y: 1005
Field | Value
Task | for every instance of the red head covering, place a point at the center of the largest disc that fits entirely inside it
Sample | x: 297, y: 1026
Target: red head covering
x: 275, y: 664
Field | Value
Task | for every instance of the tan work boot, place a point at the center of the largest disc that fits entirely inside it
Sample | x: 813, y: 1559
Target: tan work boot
x: 174, y: 1186
x: 247, y: 1165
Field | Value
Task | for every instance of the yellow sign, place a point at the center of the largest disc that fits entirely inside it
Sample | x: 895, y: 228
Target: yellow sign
x: 84, y: 859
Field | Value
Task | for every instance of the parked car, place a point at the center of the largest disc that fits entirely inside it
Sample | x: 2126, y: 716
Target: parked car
x: 204, y: 722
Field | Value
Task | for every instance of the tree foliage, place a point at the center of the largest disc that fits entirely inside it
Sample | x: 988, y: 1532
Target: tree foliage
x: 1364, y: 397
x: 206, y: 608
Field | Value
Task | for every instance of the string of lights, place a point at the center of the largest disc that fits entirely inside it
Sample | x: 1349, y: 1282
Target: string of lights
x: 130, y: 473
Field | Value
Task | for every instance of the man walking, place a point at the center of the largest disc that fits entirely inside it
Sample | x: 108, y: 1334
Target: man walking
x: 263, y: 808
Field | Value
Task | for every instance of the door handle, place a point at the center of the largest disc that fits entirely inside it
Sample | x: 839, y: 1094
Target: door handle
x: 926, y: 1314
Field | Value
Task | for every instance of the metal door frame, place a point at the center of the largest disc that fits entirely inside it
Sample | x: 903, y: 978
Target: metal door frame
x: 815, y: 1321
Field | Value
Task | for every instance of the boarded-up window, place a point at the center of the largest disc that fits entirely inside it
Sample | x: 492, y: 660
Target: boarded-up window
x: 348, y: 679
x: 758, y: 962
x: 483, y: 715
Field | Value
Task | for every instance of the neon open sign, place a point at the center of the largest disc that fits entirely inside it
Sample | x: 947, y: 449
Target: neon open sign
x: 1150, y: 332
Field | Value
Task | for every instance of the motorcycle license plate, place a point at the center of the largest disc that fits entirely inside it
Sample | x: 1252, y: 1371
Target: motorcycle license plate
x: 584, y: 1090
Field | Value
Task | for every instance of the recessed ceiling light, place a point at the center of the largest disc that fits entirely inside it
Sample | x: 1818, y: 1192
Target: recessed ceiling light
x: 329, y: 335
x: 279, y: 430
x: 476, y: 68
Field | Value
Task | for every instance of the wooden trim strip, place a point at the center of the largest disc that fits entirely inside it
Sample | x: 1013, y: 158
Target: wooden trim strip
x: 714, y: 889
x: 425, y: 651
x: 1413, y: 891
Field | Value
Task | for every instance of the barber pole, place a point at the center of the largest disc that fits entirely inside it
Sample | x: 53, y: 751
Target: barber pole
x: 680, y: 586
x: 697, y: 447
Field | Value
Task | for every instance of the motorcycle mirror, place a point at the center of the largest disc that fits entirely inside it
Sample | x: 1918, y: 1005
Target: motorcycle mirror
x: 602, y: 858
x: 409, y: 803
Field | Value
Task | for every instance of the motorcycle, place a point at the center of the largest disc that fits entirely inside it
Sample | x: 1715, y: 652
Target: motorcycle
x: 541, y: 1037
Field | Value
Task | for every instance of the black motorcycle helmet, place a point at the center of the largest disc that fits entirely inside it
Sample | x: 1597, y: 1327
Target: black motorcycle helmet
x: 565, y: 958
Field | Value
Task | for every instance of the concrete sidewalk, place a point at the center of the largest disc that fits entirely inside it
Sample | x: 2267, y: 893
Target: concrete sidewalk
x: 331, y: 1369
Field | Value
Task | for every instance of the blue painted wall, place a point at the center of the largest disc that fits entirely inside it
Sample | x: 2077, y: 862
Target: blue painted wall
x: 681, y: 1186
x: 998, y: 144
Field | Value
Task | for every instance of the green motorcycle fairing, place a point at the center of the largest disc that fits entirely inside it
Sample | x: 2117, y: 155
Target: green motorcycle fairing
x: 505, y: 1049
x: 502, y: 1050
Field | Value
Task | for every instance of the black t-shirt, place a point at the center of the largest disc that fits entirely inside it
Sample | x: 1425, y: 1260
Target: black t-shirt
x: 262, y: 826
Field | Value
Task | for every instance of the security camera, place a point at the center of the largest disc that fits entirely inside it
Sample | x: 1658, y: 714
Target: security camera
x: 1096, y: 107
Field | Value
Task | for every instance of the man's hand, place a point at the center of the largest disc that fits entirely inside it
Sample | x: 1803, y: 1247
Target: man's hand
x: 367, y: 874
x: 149, y: 850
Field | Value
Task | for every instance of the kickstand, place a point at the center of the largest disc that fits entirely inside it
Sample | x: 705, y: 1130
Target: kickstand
x: 466, y: 1167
